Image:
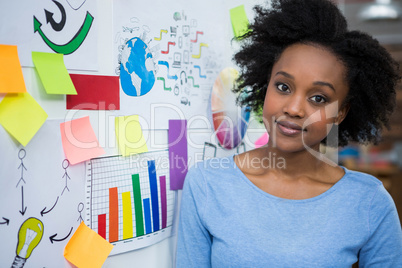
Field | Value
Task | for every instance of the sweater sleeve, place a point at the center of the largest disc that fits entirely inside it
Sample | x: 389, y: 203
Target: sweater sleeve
x: 384, y: 246
x: 194, y: 240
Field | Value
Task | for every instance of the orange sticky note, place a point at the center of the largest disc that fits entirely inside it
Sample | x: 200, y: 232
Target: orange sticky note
x: 79, y: 140
x: 11, y: 78
x: 21, y: 116
x: 87, y: 249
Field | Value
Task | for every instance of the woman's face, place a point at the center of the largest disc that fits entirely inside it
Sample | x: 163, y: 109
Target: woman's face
x: 304, y: 97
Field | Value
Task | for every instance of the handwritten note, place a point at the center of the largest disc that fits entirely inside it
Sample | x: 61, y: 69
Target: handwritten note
x: 53, y: 73
x: 129, y: 135
x: 79, y: 140
x: 21, y: 116
x: 11, y: 78
x: 239, y: 21
x: 86, y: 248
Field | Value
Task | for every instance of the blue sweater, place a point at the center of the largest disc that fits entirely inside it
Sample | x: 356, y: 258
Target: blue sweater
x: 226, y: 221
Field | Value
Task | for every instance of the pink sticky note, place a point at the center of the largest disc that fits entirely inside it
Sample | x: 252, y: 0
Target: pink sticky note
x: 79, y: 140
x: 261, y: 141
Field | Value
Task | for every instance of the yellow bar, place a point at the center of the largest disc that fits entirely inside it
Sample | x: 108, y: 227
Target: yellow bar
x: 127, y: 216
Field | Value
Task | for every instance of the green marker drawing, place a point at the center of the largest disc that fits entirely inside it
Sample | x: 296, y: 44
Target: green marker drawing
x: 192, y: 78
x: 164, y: 87
x: 75, y: 42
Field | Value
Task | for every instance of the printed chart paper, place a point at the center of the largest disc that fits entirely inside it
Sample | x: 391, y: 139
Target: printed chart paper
x: 129, y: 200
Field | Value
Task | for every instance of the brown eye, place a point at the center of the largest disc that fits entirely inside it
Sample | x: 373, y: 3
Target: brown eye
x: 282, y: 87
x: 318, y: 99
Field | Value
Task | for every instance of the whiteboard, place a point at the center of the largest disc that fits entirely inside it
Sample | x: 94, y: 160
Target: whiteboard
x: 44, y: 158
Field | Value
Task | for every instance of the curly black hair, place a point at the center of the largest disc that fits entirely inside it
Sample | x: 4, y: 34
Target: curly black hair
x: 372, y: 74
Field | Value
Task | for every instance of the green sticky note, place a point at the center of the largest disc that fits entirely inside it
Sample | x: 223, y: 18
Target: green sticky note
x: 239, y: 21
x: 53, y: 73
x: 21, y: 116
x: 129, y: 135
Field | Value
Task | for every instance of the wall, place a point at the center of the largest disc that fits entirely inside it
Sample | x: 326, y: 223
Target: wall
x: 44, y: 151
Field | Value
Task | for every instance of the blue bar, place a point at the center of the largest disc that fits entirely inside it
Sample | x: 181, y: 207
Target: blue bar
x: 154, y: 194
x: 147, y: 215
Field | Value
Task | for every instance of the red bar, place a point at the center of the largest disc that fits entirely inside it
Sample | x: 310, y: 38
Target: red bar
x: 113, y: 215
x: 102, y: 225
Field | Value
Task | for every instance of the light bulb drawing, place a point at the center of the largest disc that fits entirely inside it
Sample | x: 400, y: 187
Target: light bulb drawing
x: 65, y: 165
x: 29, y: 236
x: 21, y: 154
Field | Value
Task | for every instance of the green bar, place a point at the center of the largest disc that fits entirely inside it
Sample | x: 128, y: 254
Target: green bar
x: 139, y: 220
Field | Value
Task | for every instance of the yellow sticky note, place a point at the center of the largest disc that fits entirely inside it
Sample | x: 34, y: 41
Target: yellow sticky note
x: 239, y: 21
x: 11, y: 78
x: 21, y: 116
x: 129, y: 135
x: 79, y: 140
x: 87, y: 249
x: 53, y: 73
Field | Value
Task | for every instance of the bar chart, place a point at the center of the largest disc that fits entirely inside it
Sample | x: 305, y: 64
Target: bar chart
x: 129, y: 201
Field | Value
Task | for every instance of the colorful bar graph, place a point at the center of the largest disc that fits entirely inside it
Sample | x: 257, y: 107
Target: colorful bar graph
x: 154, y: 194
x: 147, y: 214
x: 162, y: 183
x: 102, y: 225
x: 127, y: 216
x: 139, y: 221
x: 113, y: 215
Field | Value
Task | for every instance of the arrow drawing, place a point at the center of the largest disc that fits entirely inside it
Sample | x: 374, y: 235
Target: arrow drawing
x: 57, y: 26
x: 45, y: 212
x: 167, y: 66
x: 6, y: 221
x: 164, y: 86
x: 23, y: 210
x: 196, y: 36
x: 52, y: 238
x: 167, y: 51
x: 199, y: 68
x: 199, y: 54
x: 74, y: 43
x: 160, y: 37
x: 192, y: 78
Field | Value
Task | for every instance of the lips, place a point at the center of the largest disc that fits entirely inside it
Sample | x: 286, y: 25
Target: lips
x: 289, y: 128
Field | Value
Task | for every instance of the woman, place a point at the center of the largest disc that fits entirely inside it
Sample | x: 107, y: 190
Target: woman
x: 316, y: 82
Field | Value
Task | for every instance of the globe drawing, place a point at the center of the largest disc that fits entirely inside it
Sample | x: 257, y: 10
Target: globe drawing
x: 137, y: 71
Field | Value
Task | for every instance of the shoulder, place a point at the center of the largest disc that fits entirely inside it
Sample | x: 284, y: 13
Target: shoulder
x: 371, y: 189
x: 362, y: 181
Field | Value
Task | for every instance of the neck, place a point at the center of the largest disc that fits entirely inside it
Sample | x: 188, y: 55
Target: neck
x: 297, y: 163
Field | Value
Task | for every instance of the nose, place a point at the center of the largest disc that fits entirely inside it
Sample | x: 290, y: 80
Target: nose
x: 294, y: 107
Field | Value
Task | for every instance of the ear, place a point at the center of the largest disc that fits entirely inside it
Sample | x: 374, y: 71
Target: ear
x: 343, y: 111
